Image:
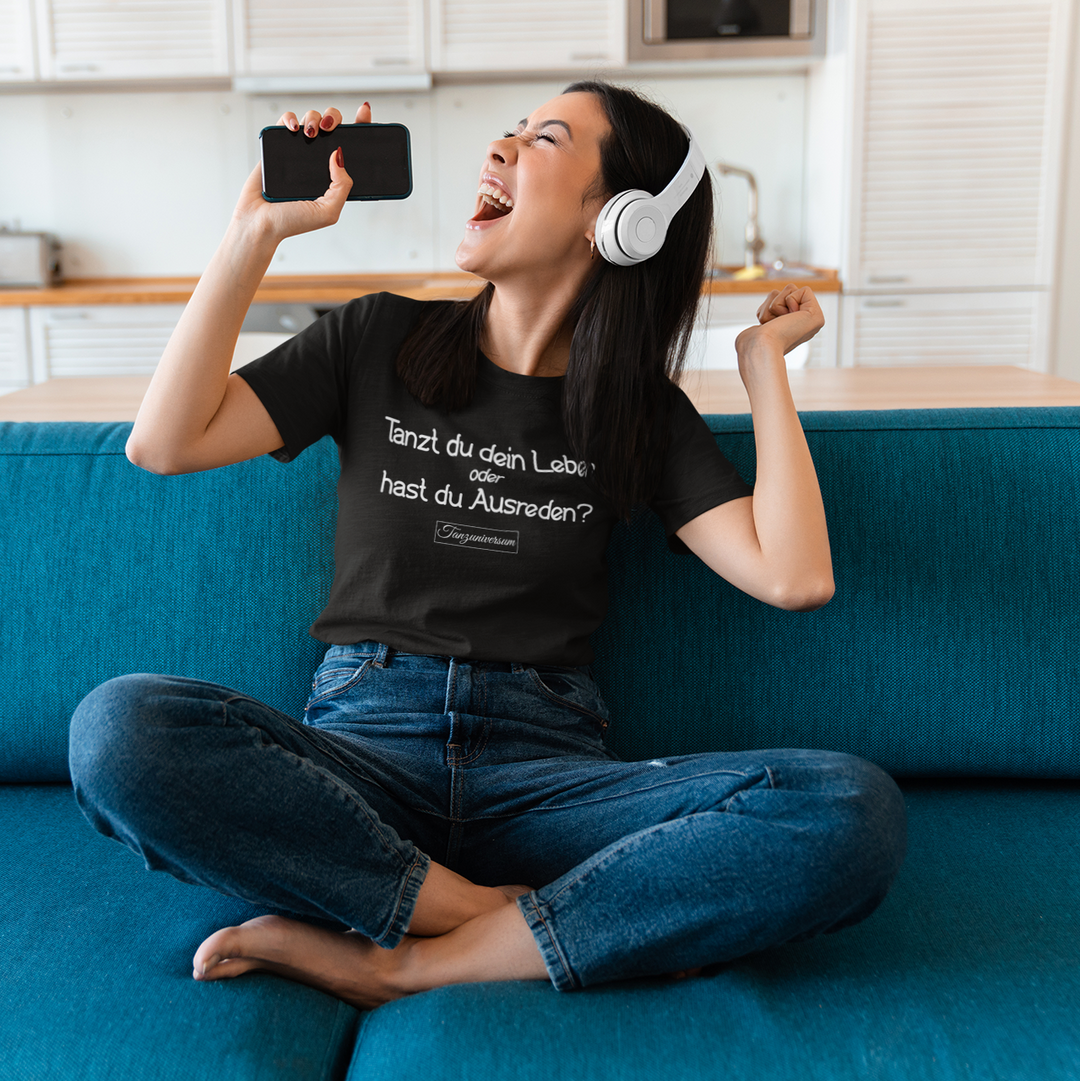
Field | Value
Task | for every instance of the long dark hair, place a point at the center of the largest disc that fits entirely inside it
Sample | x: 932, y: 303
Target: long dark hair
x: 631, y: 324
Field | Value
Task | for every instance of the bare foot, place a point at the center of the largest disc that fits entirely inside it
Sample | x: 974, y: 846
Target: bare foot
x: 345, y: 964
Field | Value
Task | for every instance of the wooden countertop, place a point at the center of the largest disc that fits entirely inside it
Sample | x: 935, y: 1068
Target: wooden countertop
x: 323, y: 288
x: 914, y: 387
x: 117, y: 397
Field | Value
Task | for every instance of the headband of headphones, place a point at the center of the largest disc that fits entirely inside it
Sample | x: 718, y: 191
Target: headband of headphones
x: 633, y: 224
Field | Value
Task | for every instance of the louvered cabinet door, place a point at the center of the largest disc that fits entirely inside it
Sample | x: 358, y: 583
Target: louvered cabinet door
x: 958, y: 137
x: 492, y: 35
x: 125, y: 339
x: 14, y: 349
x: 281, y: 37
x: 128, y: 39
x: 946, y: 328
x: 16, y: 41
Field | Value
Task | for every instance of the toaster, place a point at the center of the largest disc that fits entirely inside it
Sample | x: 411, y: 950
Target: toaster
x: 29, y: 259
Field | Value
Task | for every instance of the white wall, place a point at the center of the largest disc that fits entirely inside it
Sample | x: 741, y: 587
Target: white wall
x: 829, y: 87
x: 143, y: 183
x: 1065, y: 360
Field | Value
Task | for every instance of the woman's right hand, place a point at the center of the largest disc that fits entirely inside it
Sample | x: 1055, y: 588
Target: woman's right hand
x: 281, y: 220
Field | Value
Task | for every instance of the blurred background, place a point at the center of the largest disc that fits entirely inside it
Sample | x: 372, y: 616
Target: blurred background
x: 927, y: 154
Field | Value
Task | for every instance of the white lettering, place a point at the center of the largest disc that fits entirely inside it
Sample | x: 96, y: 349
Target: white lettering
x: 504, y: 505
x: 401, y: 489
x: 486, y: 476
x: 456, y: 448
x: 405, y: 438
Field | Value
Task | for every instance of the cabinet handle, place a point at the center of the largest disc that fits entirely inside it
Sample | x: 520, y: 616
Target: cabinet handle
x: 655, y: 21
x: 59, y: 317
x: 10, y: 69
x: 883, y: 303
x: 887, y: 279
x: 79, y: 67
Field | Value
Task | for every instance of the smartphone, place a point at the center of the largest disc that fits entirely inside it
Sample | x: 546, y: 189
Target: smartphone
x: 376, y: 156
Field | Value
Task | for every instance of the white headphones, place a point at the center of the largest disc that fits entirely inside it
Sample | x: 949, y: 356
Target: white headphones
x: 633, y: 224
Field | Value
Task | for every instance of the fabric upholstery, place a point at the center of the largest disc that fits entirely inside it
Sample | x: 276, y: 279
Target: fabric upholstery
x: 95, y: 968
x: 110, y: 569
x: 951, y: 644
x: 967, y: 970
x: 948, y: 649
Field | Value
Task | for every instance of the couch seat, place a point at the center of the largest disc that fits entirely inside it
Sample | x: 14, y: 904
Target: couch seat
x: 95, y: 968
x: 970, y: 969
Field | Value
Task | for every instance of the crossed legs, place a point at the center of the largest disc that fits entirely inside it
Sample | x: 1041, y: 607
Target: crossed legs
x: 191, y: 776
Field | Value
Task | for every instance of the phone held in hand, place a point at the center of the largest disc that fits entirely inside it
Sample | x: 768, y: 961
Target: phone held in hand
x: 376, y: 156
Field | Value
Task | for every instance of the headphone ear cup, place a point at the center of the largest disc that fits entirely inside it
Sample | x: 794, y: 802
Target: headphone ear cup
x: 618, y: 227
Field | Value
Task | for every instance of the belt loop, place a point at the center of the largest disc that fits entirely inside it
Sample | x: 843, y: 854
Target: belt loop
x: 382, y: 655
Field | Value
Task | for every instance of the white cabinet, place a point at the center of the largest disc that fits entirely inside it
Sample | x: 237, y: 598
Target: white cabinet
x: 958, y: 134
x: 14, y: 349
x: 956, y: 129
x: 281, y: 37
x: 124, y: 39
x: 946, y: 328
x: 115, y: 339
x: 492, y: 35
x: 16, y: 41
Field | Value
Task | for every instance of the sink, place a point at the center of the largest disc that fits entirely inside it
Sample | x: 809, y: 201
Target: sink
x: 790, y: 271
x: 785, y: 272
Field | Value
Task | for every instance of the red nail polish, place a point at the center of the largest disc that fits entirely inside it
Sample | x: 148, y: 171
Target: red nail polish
x: 326, y: 122
x: 309, y: 131
x: 368, y: 104
x: 340, y: 158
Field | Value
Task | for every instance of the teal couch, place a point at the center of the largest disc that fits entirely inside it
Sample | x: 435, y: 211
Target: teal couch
x: 949, y: 656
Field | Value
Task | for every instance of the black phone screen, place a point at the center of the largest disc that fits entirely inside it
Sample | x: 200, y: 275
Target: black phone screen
x: 376, y: 157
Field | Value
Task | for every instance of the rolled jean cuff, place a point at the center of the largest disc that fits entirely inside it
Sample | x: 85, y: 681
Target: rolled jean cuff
x: 538, y: 917
x: 402, y: 915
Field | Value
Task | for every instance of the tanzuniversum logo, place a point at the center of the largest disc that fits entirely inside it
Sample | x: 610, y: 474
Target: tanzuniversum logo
x: 475, y: 536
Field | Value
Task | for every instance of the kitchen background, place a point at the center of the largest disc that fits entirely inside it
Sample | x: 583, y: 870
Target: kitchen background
x: 930, y: 155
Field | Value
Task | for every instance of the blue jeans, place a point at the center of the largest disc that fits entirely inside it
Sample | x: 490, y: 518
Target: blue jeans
x: 499, y: 772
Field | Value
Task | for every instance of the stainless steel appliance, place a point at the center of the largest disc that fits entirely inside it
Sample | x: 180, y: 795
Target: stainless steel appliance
x: 715, y: 29
x: 29, y: 259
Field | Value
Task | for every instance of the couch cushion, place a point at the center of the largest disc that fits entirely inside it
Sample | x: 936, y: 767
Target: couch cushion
x: 951, y: 644
x: 949, y: 648
x: 968, y: 970
x: 95, y: 968
x: 109, y: 569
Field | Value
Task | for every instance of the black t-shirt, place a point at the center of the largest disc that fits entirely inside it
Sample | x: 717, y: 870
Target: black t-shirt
x: 471, y: 534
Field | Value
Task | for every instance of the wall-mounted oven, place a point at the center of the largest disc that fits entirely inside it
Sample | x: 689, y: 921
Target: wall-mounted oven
x: 715, y: 29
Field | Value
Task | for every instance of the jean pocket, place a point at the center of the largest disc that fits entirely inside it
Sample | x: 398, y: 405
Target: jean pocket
x: 572, y: 689
x: 335, y: 676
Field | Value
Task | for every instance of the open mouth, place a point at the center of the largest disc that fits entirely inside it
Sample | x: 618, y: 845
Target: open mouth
x: 493, y: 203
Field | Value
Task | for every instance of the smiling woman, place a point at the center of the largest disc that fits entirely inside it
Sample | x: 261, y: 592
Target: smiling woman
x: 624, y: 330
x: 452, y: 747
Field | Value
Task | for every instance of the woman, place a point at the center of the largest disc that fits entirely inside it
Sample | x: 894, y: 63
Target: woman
x: 452, y: 744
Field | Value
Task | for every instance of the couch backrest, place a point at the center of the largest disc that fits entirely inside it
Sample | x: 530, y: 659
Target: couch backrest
x: 110, y: 569
x: 950, y: 647
x: 952, y: 644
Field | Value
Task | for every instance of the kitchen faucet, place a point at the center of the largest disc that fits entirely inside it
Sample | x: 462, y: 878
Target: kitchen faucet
x: 754, y: 243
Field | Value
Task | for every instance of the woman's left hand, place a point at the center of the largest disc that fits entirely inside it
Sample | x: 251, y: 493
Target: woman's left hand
x: 787, y: 318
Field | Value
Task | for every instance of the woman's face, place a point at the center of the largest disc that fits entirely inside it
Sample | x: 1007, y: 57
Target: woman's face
x: 529, y: 210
